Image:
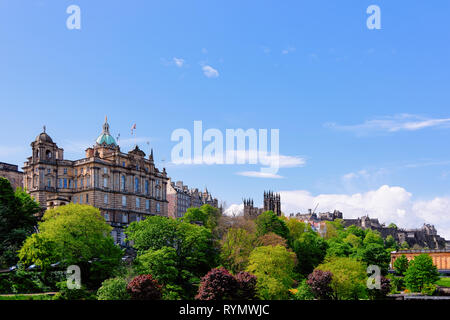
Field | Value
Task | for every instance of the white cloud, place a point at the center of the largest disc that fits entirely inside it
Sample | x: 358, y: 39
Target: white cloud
x: 234, y: 210
x: 401, y: 122
x: 178, y: 61
x: 258, y: 174
x: 244, y: 156
x: 387, y: 203
x: 210, y: 72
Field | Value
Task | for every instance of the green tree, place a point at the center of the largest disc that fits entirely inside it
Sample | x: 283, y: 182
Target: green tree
x: 195, y: 254
x: 274, y: 270
x: 338, y: 248
x: 349, y: 277
x: 373, y: 237
x: 390, y: 243
x: 113, y: 289
x: 296, y: 228
x: 17, y: 221
x: 421, y: 272
x: 392, y: 226
x: 74, y: 234
x: 161, y: 264
x: 353, y: 240
x: 269, y: 222
x: 236, y: 247
x: 375, y: 254
x: 310, y: 249
x: 401, y: 265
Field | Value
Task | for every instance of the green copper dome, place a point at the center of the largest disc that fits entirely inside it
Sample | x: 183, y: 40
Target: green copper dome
x: 105, y: 137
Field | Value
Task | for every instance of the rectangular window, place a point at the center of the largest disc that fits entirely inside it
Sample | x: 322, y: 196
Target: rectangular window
x: 88, y: 182
x: 65, y: 170
x: 60, y: 183
x: 75, y: 199
x: 158, y: 207
x: 138, y: 203
x: 81, y: 182
x: 124, y: 218
x: 65, y: 183
x: 81, y: 199
x: 87, y: 198
x: 106, y: 216
x: 70, y: 184
x: 105, y: 170
x: 76, y: 171
x: 147, y: 204
x: 124, y: 201
x: 105, y: 199
x: 49, y: 183
x: 146, y: 186
x: 76, y: 184
x: 105, y: 182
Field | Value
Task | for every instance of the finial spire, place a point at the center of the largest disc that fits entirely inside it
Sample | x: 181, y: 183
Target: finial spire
x: 44, y: 128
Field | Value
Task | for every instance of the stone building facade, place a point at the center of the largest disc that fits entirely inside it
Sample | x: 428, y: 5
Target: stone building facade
x: 12, y: 173
x: 272, y: 202
x: 180, y: 198
x: 126, y: 187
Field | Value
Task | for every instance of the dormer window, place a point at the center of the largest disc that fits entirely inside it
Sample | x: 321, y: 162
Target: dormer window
x: 48, y: 154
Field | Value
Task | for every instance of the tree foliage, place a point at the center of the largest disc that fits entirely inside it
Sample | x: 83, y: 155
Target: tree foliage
x: 320, y: 284
x: 113, y: 289
x: 217, y: 284
x: 144, y: 287
x: 401, y: 265
x: 349, y: 275
x: 236, y: 247
x: 274, y: 269
x: 17, y: 221
x: 269, y: 222
x: 74, y: 234
x: 421, y: 272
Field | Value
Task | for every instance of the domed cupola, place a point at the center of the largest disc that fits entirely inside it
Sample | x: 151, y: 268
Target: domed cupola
x: 44, y: 137
x: 106, y: 139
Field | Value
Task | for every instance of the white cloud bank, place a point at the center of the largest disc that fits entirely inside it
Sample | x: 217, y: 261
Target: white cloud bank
x: 388, y: 204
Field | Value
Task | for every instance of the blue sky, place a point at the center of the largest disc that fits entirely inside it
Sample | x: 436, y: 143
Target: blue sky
x: 363, y: 108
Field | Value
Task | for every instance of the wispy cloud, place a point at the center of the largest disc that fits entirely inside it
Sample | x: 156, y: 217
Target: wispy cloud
x: 258, y: 174
x: 178, y: 62
x: 210, y: 72
x: 288, y: 50
x: 245, y: 156
x: 401, y: 122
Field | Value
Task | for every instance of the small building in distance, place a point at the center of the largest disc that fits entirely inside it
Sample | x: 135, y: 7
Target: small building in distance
x: 180, y: 198
x: 12, y: 173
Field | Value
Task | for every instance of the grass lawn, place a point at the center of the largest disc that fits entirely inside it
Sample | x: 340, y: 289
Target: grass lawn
x: 26, y: 297
x: 444, y: 282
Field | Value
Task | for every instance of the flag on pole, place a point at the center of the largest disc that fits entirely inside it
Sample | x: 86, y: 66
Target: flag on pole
x: 133, y: 128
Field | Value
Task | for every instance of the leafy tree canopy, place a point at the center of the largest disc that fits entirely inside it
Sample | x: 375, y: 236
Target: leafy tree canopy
x: 421, y: 272
x: 17, y: 221
x: 349, y: 277
x: 74, y: 234
x: 274, y: 270
x: 269, y: 222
